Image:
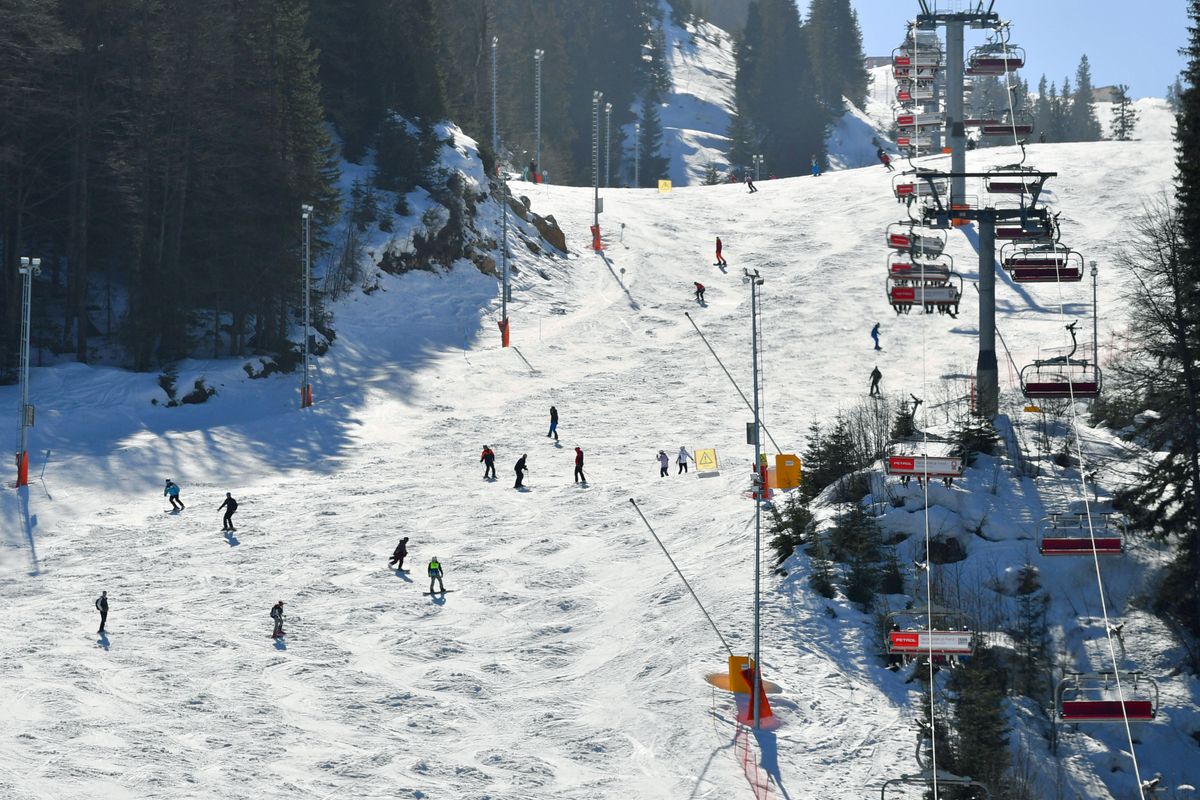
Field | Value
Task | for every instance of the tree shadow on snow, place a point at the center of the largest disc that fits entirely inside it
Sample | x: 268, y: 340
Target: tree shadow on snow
x: 633, y: 304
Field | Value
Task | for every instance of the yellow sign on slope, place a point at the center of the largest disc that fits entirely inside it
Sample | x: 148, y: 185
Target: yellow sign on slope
x: 706, y: 460
x: 664, y: 187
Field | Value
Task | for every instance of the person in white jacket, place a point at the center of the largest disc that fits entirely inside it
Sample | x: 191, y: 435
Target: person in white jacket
x: 682, y: 460
x: 664, y: 462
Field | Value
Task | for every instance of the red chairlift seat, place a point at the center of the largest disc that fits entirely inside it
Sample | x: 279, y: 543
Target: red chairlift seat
x: 918, y: 120
x: 1084, y: 697
x: 1099, y: 534
x: 908, y: 632
x: 1061, y: 379
x: 940, y: 294
x: 904, y: 267
x: 917, y: 142
x: 1018, y: 233
x: 1006, y: 128
x: 1042, y: 264
x: 904, y: 236
x: 920, y: 90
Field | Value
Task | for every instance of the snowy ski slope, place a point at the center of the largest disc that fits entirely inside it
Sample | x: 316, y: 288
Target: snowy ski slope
x: 569, y: 661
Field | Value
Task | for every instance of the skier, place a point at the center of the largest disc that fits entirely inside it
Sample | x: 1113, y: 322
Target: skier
x: 489, y: 463
x: 435, y: 574
x: 172, y: 491
x: 682, y: 460
x: 816, y: 168
x: 875, y: 376
x: 230, y: 505
x: 520, y: 469
x: 886, y: 160
x: 533, y: 176
x: 664, y: 463
x: 398, y: 554
x: 553, y: 423
x: 720, y: 259
x: 277, y: 615
x: 699, y: 291
x: 102, y: 607
x: 750, y: 183
x: 875, y: 336
x: 579, y: 477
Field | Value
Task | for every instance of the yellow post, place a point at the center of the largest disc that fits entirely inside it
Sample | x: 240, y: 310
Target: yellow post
x: 737, y: 683
x: 787, y: 471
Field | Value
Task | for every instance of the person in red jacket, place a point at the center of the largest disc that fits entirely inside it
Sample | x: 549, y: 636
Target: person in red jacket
x: 489, y: 462
x: 720, y: 260
x: 699, y: 291
x: 579, y: 476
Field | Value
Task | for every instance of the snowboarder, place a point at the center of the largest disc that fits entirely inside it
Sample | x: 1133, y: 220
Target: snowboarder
x: 553, y: 423
x: 398, y: 554
x: 435, y: 574
x: 664, y: 463
x: 579, y: 476
x: 230, y: 505
x: 172, y: 491
x: 875, y: 336
x: 875, y: 376
x: 520, y: 469
x: 699, y: 291
x: 488, y: 457
x: 102, y: 607
x: 816, y: 168
x: 750, y: 184
x: 682, y: 460
x: 720, y: 259
x: 277, y: 615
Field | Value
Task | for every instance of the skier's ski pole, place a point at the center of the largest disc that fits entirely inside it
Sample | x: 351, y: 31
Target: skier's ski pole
x: 731, y: 380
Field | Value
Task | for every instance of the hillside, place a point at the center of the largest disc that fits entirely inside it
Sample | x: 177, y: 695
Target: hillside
x: 569, y: 661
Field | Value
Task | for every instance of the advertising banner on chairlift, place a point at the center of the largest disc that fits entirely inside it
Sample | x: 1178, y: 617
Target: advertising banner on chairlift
x: 936, y: 467
x: 951, y: 643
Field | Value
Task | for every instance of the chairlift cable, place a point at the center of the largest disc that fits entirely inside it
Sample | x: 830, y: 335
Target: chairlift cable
x: 1087, y: 507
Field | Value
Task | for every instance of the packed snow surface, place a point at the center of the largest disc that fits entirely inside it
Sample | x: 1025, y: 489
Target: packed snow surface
x: 568, y: 661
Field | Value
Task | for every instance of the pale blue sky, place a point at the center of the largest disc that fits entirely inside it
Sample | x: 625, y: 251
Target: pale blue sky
x: 1126, y: 42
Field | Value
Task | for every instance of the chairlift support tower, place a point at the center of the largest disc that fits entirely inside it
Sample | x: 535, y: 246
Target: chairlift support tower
x: 759, y: 494
x: 979, y: 15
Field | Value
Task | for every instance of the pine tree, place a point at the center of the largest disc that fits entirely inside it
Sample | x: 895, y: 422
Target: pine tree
x: 743, y: 142
x: 1175, y: 96
x: 654, y: 165
x: 1031, y: 635
x: 1124, y: 116
x: 981, y: 730
x: 793, y: 528
x: 834, y: 44
x: 821, y: 578
x: 1042, y: 110
x: 1084, y: 126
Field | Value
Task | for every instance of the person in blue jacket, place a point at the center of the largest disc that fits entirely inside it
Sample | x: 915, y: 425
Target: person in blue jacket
x: 875, y: 336
x: 172, y: 491
x: 816, y: 168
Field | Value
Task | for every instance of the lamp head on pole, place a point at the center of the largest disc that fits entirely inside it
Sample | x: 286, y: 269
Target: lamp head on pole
x: 30, y: 266
x: 608, y: 108
x: 539, y: 54
x: 1095, y: 269
x: 306, y: 211
x: 495, y: 41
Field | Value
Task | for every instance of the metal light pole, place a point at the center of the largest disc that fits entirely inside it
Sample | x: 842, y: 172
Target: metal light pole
x: 755, y: 281
x: 637, y: 154
x: 495, y: 128
x: 596, y: 98
x: 538, y: 56
x: 607, y: 140
x: 504, y: 292
x: 305, y: 386
x: 1095, y: 319
x: 29, y: 269
x: 757, y: 159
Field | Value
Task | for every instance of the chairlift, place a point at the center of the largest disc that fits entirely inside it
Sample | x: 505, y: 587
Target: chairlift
x: 904, y: 235
x: 904, y: 266
x: 928, y: 456
x: 1062, y: 377
x: 918, y: 56
x: 970, y: 789
x: 979, y: 122
x: 940, y: 294
x: 1101, y: 534
x: 1018, y: 125
x: 1036, y: 229
x: 914, y: 73
x: 932, y: 631
x: 911, y: 92
x: 914, y: 121
x: 914, y: 142
x: 994, y: 59
x: 1087, y: 697
x: 1013, y: 179
x: 1041, y: 263
x: 913, y: 186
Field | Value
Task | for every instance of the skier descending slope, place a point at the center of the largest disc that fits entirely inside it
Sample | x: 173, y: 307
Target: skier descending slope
x: 488, y: 457
x: 172, y: 491
x: 230, y: 505
x: 875, y: 376
x: 398, y: 554
x: 520, y: 469
x: 721, y: 262
x: 875, y: 336
x: 277, y: 615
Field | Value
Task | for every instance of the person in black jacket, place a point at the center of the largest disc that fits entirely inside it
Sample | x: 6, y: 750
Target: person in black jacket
x: 277, y: 615
x: 399, y: 553
x: 520, y: 469
x: 553, y: 423
x: 230, y: 505
x: 102, y: 607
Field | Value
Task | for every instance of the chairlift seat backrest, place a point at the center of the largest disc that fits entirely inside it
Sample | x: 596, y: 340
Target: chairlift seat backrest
x: 1081, y: 546
x: 1106, y: 711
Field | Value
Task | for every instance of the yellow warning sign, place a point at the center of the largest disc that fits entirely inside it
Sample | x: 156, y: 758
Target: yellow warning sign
x: 664, y: 187
x: 706, y: 460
